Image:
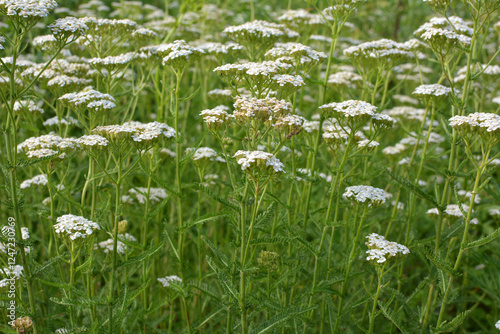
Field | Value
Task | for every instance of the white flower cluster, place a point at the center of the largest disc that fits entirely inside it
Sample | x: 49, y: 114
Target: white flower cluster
x: 121, y: 247
x: 89, y: 99
x: 497, y: 325
x: 437, y: 37
x: 16, y: 273
x: 299, y: 53
x: 38, y: 180
x: 248, y: 110
x: 482, y: 123
x: 256, y: 72
x: 384, y: 49
x: 166, y: 281
x: 68, y: 26
x: 45, y: 42
x: 453, y: 210
x: 27, y: 8
x: 307, y: 172
x: 300, y: 17
x: 46, y: 146
x: 259, y: 31
x: 345, y: 79
x: 92, y: 142
x: 112, y: 63
x: 136, y: 131
x: 380, y: 249
x: 68, y: 120
x: 406, y: 113
x: 366, y: 195
x: 290, y: 123
x: 213, y: 48
x: 67, y: 82
x: 206, y: 154
x: 288, y: 81
x: 75, y: 227
x: 216, y: 117
x: 258, y: 160
x: 434, y: 90
x: 356, y: 113
x: 156, y: 195
x: 179, y: 54
x: 27, y: 105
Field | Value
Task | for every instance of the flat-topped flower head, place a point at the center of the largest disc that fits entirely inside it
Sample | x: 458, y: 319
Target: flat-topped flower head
x: 453, y: 210
x: 140, y: 195
x: 27, y: 9
x: 27, y: 106
x: 109, y: 27
x: 47, y: 146
x: 180, y: 55
x: 484, y: 124
x: 299, y: 18
x: 299, y: 54
x: 113, y: 64
x: 261, y: 110
x: 368, y: 195
x: 143, y: 135
x: 259, y: 162
x: 442, y: 40
x: 259, y: 34
x: 432, y: 92
x: 380, y: 250
x: 38, y: 180
x: 45, y: 43
x: 497, y: 325
x: 382, y: 121
x: 289, y: 125
x: 89, y: 99
x: 68, y: 29
x: 65, y: 83
x: 92, y: 143
x: 217, y: 117
x: 204, y: 155
x: 286, y: 84
x: 251, y: 74
x: 345, y: 79
x: 75, y: 227
x: 353, y: 113
x: 384, y: 52
x: 168, y: 280
x: 219, y: 49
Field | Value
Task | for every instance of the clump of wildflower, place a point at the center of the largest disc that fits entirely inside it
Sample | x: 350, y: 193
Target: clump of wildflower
x: 353, y: 113
x: 290, y: 125
x: 65, y: 83
x: 366, y: 195
x: 75, y: 227
x: 296, y: 54
x: 287, y: 84
x: 121, y: 247
x: 261, y: 110
x: 258, y: 75
x: 166, y: 281
x: 27, y: 106
x: 259, y: 162
x: 268, y: 260
x: 140, y: 195
x: 345, y: 79
x: 179, y: 55
x: 113, y: 64
x: 219, y: 49
x: 217, y: 117
x: 453, y: 210
x: 142, y: 134
x: 205, y: 155
x: 428, y: 93
x: 442, y: 40
x: 89, y: 99
x: 45, y: 43
x: 27, y: 9
x: 55, y: 121
x: 259, y: 33
x: 38, y: 180
x: 67, y: 29
x: 380, y: 250
x: 92, y: 142
x: 298, y: 18
x: 497, y: 325
x: 384, y: 52
x: 483, y: 124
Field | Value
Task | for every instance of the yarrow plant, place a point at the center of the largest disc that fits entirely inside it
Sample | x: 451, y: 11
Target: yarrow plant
x: 249, y: 167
